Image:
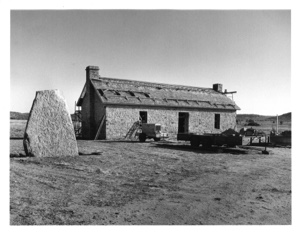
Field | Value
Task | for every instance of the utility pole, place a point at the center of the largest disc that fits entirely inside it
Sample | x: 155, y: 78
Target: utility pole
x: 277, y: 125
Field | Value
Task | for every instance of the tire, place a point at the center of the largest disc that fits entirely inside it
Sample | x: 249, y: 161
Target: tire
x: 195, y: 142
x: 156, y: 139
x: 142, y: 137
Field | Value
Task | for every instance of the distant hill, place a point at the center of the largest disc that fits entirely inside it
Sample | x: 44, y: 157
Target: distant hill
x: 24, y: 116
x: 19, y: 116
x: 286, y: 117
x: 254, y: 117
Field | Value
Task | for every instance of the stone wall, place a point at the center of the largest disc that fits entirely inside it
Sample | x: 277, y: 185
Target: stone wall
x: 120, y: 119
x: 91, y: 114
x: 98, y: 115
x: 85, y: 112
x: 92, y: 109
x: 88, y: 112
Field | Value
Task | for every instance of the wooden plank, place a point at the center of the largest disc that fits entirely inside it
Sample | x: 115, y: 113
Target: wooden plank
x: 100, y: 126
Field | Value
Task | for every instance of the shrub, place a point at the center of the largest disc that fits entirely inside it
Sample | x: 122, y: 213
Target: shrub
x: 252, y: 124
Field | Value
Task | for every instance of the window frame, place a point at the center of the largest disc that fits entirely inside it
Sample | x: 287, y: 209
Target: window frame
x: 145, y: 115
x: 217, y: 122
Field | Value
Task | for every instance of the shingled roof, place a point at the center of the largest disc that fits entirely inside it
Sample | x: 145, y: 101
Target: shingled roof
x: 128, y: 92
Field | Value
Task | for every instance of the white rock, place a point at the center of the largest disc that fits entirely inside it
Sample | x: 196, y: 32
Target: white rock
x: 49, y: 131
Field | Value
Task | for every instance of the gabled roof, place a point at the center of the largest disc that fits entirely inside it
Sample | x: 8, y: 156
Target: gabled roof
x: 128, y: 92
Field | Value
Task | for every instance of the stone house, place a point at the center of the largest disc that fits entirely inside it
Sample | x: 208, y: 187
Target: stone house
x: 110, y: 106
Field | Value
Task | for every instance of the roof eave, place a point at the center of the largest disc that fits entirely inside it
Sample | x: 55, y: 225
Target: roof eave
x: 167, y: 106
x: 80, y: 99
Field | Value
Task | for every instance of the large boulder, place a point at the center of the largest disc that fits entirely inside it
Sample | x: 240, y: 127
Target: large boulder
x: 49, y: 131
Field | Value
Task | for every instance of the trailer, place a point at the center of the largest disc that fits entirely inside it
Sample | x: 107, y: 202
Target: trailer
x: 151, y: 130
x: 207, y: 140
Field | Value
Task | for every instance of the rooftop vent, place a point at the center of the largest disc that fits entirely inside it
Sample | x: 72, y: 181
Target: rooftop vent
x: 217, y: 87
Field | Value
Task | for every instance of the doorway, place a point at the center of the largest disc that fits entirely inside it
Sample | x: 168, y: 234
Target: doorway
x: 183, y: 122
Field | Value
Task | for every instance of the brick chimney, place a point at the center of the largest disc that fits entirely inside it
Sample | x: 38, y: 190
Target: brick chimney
x: 217, y: 87
x: 92, y: 72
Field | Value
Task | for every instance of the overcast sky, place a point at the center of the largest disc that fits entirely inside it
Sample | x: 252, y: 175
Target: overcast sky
x: 246, y: 51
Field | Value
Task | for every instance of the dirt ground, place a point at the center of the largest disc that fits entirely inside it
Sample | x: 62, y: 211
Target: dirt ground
x: 152, y: 183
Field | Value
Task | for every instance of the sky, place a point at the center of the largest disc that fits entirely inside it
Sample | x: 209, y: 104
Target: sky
x: 248, y: 51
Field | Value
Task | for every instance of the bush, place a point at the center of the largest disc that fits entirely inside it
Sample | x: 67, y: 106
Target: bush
x: 252, y: 124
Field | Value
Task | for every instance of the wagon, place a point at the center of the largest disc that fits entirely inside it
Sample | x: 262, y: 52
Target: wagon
x: 207, y: 140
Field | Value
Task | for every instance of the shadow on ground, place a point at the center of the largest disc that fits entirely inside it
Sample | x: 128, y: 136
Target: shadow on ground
x: 18, y: 155
x: 119, y: 141
x: 212, y: 150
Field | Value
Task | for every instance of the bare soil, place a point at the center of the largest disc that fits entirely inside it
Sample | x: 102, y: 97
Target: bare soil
x: 152, y: 183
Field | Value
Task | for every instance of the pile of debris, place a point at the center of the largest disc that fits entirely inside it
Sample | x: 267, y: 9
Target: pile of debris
x: 251, y: 132
x: 230, y: 132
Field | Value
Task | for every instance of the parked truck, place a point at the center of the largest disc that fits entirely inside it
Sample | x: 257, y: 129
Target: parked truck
x: 207, y: 140
x: 151, y: 130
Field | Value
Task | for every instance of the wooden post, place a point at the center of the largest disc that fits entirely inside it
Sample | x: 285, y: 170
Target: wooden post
x: 277, y: 125
x: 265, y: 151
x: 100, y: 126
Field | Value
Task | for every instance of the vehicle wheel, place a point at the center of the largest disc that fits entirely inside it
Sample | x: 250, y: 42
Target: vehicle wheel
x: 156, y: 139
x: 142, y: 137
x: 195, y: 142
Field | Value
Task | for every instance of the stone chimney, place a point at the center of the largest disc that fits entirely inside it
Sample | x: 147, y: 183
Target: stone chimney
x: 92, y: 72
x: 217, y: 87
x: 90, y: 128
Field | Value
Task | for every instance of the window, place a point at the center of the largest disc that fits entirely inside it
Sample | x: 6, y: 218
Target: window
x: 117, y: 93
x: 131, y: 93
x: 101, y: 92
x: 143, y: 116
x: 217, y: 121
